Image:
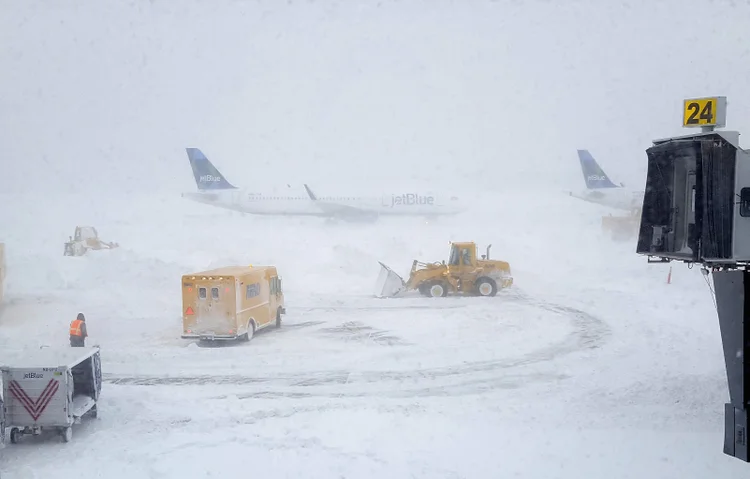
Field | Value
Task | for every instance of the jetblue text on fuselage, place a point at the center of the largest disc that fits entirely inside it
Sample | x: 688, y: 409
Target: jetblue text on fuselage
x: 410, y: 199
x: 597, y: 178
x: 209, y: 178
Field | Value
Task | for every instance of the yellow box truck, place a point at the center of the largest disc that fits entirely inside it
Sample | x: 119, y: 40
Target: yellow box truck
x: 229, y: 303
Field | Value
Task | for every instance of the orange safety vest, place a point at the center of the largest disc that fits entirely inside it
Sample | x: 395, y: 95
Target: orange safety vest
x: 75, y: 328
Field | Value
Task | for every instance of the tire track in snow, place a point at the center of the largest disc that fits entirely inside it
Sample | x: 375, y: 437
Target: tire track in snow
x: 588, y: 332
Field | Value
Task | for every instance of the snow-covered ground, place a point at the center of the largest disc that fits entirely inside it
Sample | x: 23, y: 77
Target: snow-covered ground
x: 591, y: 365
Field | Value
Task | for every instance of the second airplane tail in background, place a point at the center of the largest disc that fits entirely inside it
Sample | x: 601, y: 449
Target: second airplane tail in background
x: 593, y: 174
x: 207, y: 177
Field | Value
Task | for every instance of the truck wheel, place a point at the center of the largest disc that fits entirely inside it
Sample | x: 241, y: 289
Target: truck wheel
x: 66, y: 433
x: 486, y: 287
x: 15, y: 435
x: 278, y: 318
x: 94, y: 413
x: 250, y: 331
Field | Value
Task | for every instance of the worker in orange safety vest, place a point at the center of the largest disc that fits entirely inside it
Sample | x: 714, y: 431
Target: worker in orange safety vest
x: 78, y: 333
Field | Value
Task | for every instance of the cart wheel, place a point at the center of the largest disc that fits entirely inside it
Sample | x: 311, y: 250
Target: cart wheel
x: 15, y: 435
x: 66, y: 433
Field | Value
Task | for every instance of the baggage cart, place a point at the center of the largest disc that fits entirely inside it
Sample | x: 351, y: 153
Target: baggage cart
x: 50, y: 389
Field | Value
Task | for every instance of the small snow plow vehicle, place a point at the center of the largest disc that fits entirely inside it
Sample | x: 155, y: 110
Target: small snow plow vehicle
x: 622, y: 228
x: 464, y: 274
x: 86, y: 238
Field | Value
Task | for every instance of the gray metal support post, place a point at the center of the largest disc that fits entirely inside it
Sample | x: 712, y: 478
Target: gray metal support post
x: 732, y: 290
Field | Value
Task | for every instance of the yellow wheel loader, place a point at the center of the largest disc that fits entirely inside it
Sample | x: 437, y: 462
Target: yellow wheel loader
x: 463, y: 274
x: 86, y: 238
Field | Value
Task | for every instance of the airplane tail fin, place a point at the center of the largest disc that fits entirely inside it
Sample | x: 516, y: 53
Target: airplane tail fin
x: 593, y: 174
x: 207, y: 177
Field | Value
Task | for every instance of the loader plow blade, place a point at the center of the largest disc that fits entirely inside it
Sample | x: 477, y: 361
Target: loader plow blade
x: 389, y: 283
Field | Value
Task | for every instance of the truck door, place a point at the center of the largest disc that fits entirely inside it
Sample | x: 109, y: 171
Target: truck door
x: 275, y: 293
x: 215, y: 311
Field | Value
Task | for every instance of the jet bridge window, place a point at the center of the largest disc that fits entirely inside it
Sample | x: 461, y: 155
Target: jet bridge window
x: 745, y: 202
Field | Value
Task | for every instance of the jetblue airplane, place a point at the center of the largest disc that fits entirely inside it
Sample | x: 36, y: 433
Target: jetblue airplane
x: 600, y: 189
x: 214, y: 189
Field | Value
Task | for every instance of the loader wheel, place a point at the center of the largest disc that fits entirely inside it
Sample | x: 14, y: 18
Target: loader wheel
x: 437, y: 290
x: 486, y: 287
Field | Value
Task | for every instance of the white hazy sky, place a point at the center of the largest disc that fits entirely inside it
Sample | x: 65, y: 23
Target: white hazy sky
x: 104, y: 95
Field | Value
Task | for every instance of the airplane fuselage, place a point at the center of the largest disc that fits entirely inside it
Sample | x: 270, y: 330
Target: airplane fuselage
x: 403, y: 204
x: 214, y: 189
x: 618, y: 198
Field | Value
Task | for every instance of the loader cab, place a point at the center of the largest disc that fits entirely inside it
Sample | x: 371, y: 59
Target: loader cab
x: 85, y: 232
x: 462, y: 255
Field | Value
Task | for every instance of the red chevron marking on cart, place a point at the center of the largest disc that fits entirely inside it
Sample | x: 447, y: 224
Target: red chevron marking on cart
x: 35, y: 408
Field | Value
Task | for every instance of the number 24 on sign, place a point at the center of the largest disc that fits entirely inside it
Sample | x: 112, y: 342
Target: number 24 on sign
x: 699, y: 112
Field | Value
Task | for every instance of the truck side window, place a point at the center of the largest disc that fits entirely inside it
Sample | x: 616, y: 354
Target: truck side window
x: 214, y: 293
x: 202, y: 293
x: 745, y: 202
x: 252, y: 290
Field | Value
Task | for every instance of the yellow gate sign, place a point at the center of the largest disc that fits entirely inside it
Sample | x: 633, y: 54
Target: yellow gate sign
x: 711, y: 111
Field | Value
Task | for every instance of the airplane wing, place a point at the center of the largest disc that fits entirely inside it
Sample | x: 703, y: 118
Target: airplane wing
x: 338, y: 210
